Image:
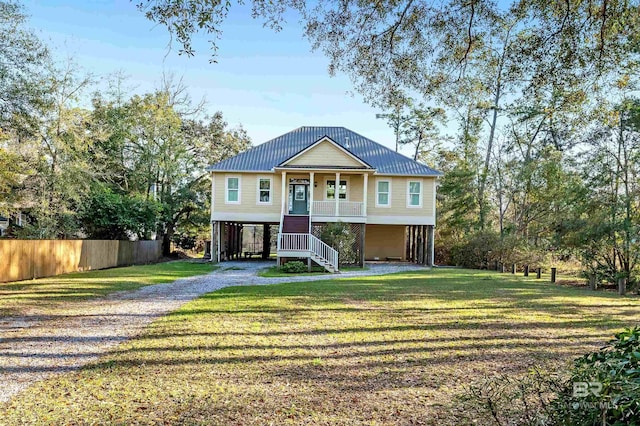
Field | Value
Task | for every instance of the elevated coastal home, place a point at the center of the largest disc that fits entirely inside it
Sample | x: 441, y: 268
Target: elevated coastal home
x: 312, y: 176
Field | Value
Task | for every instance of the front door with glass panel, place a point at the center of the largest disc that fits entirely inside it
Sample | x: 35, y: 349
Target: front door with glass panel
x: 298, y: 195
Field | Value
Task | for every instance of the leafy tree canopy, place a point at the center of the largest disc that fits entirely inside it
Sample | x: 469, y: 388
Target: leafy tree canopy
x: 420, y: 44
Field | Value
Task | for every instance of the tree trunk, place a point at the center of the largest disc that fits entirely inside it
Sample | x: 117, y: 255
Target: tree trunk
x: 166, y: 243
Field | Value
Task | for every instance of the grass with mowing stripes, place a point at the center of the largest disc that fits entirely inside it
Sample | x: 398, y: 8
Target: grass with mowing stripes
x: 45, y: 294
x: 393, y: 349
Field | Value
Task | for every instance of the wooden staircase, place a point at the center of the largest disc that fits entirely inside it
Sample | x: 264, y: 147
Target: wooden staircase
x: 296, y: 240
x: 324, y: 263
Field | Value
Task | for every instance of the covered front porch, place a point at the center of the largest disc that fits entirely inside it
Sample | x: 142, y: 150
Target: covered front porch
x: 318, y: 196
x: 326, y: 195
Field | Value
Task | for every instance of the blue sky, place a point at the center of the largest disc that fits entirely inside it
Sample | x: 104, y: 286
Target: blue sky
x: 269, y: 82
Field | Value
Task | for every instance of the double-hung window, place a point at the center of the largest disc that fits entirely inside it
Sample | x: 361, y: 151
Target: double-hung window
x: 233, y: 190
x: 414, y: 193
x: 331, y: 190
x: 383, y: 193
x: 264, y: 190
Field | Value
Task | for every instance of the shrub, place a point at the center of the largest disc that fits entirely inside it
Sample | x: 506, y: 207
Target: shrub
x: 483, y: 248
x: 603, y: 387
x: 477, y: 251
x: 509, y: 400
x: 185, y: 240
x: 339, y: 236
x: 294, y: 267
x: 612, y: 393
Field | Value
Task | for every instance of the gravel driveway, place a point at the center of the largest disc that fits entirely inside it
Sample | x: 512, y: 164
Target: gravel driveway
x: 32, y: 349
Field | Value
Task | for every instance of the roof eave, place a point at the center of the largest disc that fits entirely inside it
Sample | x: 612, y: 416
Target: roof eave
x: 325, y: 169
x: 436, y: 175
x: 210, y: 170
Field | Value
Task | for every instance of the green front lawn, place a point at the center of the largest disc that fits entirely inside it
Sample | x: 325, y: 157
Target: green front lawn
x: 44, y: 295
x: 393, y: 349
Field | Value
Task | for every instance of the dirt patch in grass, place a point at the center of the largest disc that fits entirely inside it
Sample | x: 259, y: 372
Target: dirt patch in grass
x: 393, y: 349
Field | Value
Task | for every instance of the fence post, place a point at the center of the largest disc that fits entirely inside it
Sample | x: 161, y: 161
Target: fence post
x: 513, y: 268
x: 526, y: 270
x: 538, y: 273
x: 622, y: 286
x: 553, y: 274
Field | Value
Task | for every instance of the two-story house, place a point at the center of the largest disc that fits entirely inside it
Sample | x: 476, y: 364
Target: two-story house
x: 313, y: 176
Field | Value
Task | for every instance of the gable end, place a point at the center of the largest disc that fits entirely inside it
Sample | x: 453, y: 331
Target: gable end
x: 325, y: 152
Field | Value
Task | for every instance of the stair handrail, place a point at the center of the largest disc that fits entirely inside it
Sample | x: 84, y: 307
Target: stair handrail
x: 323, y: 250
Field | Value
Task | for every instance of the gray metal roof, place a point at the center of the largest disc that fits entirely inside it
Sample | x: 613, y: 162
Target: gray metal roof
x: 268, y: 155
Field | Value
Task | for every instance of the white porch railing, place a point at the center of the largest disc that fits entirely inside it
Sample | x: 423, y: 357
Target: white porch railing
x: 346, y: 208
x: 323, y: 250
x: 293, y: 242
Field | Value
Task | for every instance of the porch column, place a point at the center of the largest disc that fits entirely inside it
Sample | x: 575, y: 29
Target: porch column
x: 363, y: 228
x: 336, y: 193
x: 285, y: 197
x: 239, y: 243
x: 213, y: 246
x: 311, y: 178
x: 266, y: 241
x: 364, y: 197
x: 219, y: 226
x: 431, y: 248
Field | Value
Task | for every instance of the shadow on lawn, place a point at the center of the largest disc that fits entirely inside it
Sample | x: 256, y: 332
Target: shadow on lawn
x: 388, y: 337
x: 83, y: 285
x: 479, y: 286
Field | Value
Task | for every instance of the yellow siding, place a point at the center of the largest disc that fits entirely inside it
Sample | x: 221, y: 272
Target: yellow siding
x: 248, y: 193
x: 399, y: 197
x: 384, y: 241
x: 325, y: 154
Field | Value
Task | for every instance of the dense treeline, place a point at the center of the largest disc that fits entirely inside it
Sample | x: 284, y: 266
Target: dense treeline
x: 127, y: 166
x: 528, y: 106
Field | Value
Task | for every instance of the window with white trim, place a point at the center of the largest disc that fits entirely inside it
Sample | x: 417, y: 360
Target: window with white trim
x: 331, y: 190
x: 233, y: 190
x: 264, y: 190
x: 383, y: 193
x: 414, y: 196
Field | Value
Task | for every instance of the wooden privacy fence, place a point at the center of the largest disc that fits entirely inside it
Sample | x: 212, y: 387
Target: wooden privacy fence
x: 27, y: 259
